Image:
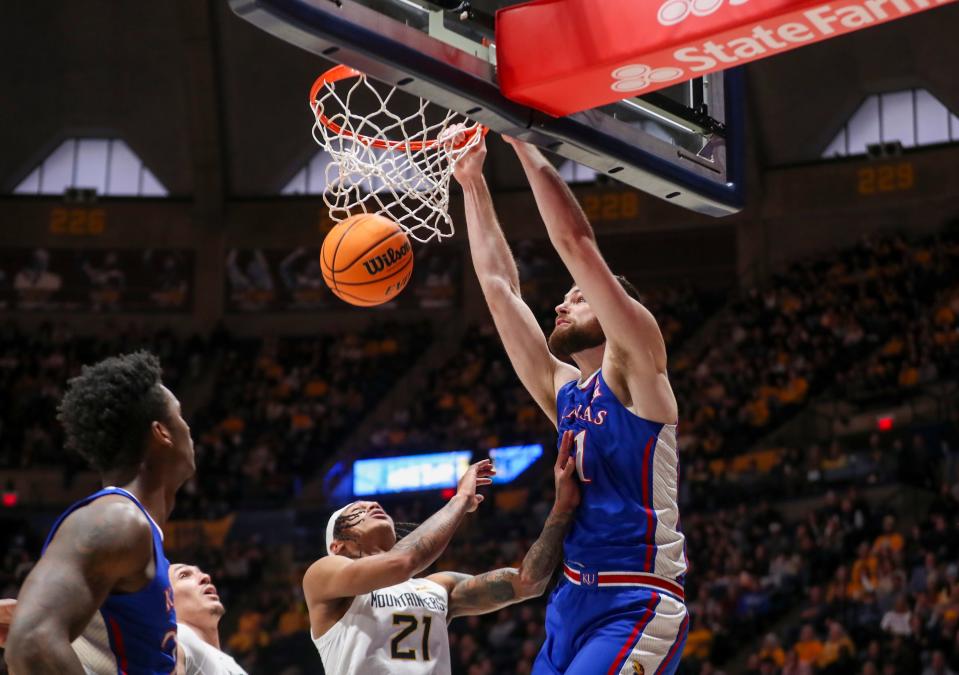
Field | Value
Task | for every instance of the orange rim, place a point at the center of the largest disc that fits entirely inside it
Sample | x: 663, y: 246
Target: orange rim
x: 341, y: 72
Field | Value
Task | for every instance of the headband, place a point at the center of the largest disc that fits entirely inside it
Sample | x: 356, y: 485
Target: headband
x: 329, y: 527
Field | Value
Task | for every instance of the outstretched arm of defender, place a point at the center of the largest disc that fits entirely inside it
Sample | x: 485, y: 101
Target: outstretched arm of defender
x: 337, y: 576
x: 633, y: 336
x: 93, y: 551
x: 539, y: 371
x: 491, y: 591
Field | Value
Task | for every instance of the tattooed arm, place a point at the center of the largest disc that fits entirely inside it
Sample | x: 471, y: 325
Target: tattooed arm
x: 336, y: 576
x: 104, y: 547
x: 491, y: 591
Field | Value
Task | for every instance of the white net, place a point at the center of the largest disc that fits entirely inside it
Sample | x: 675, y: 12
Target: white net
x: 396, y: 165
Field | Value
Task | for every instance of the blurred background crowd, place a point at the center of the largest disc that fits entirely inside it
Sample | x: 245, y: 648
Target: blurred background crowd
x: 841, y: 550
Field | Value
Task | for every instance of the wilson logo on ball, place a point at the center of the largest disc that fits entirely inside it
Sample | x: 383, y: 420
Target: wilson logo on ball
x: 673, y: 12
x: 386, y: 260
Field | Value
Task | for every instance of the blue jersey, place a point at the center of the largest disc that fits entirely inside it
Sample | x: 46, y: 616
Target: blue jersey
x: 133, y: 633
x: 629, y: 469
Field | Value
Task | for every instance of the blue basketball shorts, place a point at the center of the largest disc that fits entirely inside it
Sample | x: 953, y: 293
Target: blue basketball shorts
x: 612, y: 630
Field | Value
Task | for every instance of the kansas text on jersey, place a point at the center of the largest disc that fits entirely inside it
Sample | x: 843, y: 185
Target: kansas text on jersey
x: 629, y: 467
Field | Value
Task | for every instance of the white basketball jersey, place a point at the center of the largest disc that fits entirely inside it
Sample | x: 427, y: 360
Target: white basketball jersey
x: 399, y: 630
x: 200, y: 658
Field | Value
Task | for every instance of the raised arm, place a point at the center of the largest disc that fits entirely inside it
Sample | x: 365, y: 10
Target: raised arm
x: 491, y: 591
x: 103, y: 547
x: 539, y: 371
x: 635, y: 346
x: 336, y: 576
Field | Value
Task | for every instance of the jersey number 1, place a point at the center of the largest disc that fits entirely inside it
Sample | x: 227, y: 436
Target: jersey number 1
x: 580, y: 440
x: 411, y: 625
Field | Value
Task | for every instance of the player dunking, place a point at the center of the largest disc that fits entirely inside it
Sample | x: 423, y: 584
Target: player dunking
x: 370, y: 617
x: 102, y: 582
x: 621, y: 607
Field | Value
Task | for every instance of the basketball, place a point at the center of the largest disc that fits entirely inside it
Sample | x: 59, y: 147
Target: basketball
x: 366, y: 259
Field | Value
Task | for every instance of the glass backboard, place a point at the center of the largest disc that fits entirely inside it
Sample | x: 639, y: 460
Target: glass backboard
x: 682, y: 144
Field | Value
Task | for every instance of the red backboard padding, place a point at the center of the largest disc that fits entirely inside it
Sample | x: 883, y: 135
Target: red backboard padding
x: 565, y: 56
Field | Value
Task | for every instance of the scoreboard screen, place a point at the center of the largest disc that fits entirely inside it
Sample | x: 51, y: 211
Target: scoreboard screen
x: 436, y: 471
x: 403, y: 474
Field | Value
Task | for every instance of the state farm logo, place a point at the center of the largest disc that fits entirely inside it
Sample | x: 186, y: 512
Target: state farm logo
x: 638, y: 76
x: 677, y: 11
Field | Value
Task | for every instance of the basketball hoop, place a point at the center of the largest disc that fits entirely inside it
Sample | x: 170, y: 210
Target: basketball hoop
x: 385, y: 163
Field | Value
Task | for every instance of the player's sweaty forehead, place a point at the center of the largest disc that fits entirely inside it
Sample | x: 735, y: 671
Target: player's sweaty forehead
x: 177, y: 570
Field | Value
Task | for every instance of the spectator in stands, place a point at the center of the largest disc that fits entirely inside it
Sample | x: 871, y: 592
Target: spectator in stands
x: 698, y: 641
x: 890, y: 540
x: 772, y: 651
x: 35, y: 283
x: 809, y: 647
x: 938, y: 665
x: 816, y: 610
x: 863, y: 578
x: 924, y: 575
x: 898, y: 620
x: 838, y: 652
x: 106, y: 281
x: 794, y: 666
x: 250, y: 634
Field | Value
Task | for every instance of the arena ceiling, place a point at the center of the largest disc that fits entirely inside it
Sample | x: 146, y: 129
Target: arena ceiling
x: 216, y: 107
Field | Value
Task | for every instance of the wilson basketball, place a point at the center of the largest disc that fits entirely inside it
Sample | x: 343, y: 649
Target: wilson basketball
x: 366, y: 259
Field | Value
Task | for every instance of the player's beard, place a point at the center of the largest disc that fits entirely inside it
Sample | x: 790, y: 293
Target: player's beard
x: 571, y: 339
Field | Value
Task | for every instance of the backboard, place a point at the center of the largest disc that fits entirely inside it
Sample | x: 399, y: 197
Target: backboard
x: 682, y: 144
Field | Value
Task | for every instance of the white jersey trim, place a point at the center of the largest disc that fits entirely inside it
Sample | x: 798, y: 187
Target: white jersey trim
x: 93, y: 648
x: 670, y: 560
x: 658, y: 644
x: 589, y: 380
